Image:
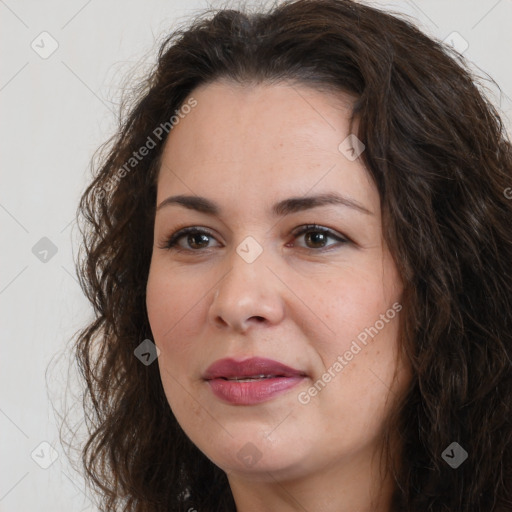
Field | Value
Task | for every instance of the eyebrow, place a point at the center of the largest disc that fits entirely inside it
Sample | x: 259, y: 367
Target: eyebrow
x: 280, y: 209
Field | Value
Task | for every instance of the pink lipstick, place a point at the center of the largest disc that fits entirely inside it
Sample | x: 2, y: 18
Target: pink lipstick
x: 250, y: 381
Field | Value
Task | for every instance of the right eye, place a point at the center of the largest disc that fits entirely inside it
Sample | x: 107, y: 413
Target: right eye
x: 195, y: 238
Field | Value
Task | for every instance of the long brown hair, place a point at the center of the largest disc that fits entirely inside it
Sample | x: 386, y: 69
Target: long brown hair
x: 440, y: 158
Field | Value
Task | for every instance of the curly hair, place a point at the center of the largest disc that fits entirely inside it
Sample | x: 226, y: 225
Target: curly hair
x: 440, y: 157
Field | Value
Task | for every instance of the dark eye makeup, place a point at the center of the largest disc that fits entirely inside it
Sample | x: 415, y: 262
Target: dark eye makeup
x: 196, y: 236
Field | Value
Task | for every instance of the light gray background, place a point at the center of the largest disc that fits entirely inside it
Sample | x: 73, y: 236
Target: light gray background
x: 55, y: 113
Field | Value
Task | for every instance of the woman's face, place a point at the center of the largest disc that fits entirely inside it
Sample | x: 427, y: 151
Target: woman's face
x: 323, y: 301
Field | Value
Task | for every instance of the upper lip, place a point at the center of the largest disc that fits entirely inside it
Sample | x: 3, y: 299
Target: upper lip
x: 230, y: 368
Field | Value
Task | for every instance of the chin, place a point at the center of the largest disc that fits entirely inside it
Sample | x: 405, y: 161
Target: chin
x: 249, y: 454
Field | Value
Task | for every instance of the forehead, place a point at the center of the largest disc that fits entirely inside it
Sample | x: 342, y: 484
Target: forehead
x: 266, y: 138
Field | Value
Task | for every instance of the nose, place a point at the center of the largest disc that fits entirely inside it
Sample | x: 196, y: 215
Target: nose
x: 248, y: 295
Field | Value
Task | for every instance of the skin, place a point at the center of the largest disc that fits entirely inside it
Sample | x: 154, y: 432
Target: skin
x: 302, y: 302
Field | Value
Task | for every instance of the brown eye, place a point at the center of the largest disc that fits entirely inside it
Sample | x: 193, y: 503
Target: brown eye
x: 195, y: 240
x: 316, y: 237
x: 198, y: 240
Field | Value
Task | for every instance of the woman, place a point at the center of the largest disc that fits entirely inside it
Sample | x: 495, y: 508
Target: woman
x: 242, y: 361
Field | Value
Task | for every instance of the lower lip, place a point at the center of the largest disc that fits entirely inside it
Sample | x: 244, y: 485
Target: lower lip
x: 255, y: 392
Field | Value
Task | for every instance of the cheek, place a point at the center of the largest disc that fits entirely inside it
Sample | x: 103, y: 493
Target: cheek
x: 173, y: 317
x: 359, y: 361
x: 175, y: 310
x: 349, y: 305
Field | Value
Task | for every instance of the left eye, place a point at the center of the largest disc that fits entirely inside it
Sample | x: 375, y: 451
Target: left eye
x: 318, y: 236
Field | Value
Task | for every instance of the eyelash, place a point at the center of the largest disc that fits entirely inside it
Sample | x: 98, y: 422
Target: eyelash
x: 171, y: 242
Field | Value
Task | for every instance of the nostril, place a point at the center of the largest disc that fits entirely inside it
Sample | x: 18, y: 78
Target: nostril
x: 258, y: 318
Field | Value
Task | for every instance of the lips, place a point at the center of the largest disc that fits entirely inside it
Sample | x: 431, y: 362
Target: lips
x: 253, y: 368
x: 252, y: 381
